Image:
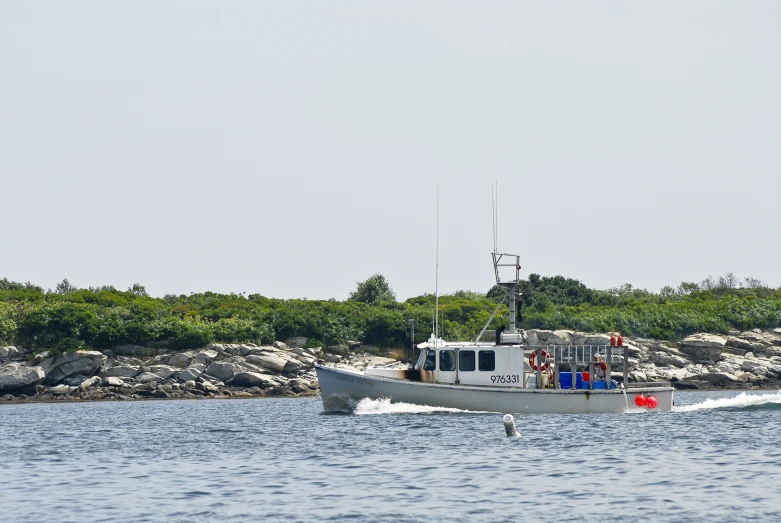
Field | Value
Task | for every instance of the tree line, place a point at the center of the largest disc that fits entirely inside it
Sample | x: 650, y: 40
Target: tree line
x: 69, y: 317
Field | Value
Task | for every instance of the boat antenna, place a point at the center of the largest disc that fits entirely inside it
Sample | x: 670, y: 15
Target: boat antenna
x: 493, y: 215
x: 436, y: 281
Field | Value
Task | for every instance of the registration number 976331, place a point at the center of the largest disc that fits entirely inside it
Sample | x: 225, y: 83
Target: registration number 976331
x: 505, y: 378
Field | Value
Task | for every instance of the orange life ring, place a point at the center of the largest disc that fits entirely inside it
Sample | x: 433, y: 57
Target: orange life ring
x: 533, y: 360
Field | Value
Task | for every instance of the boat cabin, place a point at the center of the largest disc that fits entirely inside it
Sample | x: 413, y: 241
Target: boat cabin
x: 512, y: 366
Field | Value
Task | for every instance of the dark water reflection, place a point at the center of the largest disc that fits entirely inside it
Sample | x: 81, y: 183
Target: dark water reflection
x: 283, y: 460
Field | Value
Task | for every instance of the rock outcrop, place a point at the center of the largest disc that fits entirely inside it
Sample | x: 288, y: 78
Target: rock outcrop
x: 73, y: 367
x: 15, y: 376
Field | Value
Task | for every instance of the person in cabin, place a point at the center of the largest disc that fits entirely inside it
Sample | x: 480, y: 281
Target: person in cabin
x: 499, y: 332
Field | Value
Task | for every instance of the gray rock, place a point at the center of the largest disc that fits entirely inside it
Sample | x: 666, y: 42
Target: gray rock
x: 270, y: 361
x: 221, y: 371
x: 332, y: 358
x: 147, y: 377
x: 542, y: 336
x: 719, y: 378
x: 82, y: 362
x: 3, y: 353
x: 113, y: 382
x: 205, y: 357
x: 164, y: 371
x: 16, y: 376
x: 281, y: 346
x: 667, y: 358
x: 560, y: 337
x: 189, y: 374
x: 703, y: 348
x: 590, y: 339
x: 189, y: 384
x: 89, y: 382
x: 61, y: 390
x: 181, y: 360
x: 253, y: 379
x: 292, y: 366
x: 299, y: 341
x: 754, y: 367
x: 120, y: 371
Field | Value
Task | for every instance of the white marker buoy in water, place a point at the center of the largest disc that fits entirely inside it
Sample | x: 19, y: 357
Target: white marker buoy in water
x: 509, y: 426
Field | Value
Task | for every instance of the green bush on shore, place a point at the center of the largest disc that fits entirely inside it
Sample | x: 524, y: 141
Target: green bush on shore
x: 70, y: 318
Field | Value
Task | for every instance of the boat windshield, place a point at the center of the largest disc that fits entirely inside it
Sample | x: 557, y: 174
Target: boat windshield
x: 421, y: 358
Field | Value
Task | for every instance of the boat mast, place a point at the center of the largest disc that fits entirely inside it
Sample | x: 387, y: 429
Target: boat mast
x: 511, y: 287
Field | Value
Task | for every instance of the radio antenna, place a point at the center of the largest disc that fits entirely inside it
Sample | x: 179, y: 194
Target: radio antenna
x: 436, y: 284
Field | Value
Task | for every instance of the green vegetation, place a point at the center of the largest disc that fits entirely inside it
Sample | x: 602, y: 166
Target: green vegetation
x: 69, y: 318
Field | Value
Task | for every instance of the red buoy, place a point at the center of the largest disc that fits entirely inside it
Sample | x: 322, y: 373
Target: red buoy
x: 640, y: 400
x: 651, y: 402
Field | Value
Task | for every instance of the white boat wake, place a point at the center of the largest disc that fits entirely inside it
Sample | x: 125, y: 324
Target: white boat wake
x: 368, y: 406
x: 741, y: 400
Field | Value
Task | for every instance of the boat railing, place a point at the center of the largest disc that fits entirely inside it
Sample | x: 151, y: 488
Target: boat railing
x: 575, y: 356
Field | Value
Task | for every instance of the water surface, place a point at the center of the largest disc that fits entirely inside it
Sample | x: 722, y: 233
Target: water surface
x: 716, y: 457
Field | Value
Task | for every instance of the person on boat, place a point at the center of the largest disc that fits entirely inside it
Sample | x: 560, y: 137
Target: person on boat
x: 600, y: 367
x: 620, y: 340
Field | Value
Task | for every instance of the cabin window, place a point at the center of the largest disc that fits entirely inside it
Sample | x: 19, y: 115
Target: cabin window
x: 486, y: 360
x: 466, y: 360
x: 447, y: 360
x: 431, y: 361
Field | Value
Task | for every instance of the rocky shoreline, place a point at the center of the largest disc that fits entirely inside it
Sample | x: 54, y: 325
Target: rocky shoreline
x: 739, y: 360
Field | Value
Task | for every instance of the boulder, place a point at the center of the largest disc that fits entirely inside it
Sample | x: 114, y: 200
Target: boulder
x: 16, y: 376
x: 332, y: 358
x: 189, y: 374
x: 181, y: 360
x: 270, y: 361
x: 164, y: 371
x: 668, y: 358
x: 205, y: 357
x: 292, y: 366
x: 754, y: 367
x: 542, y: 336
x: 560, y: 337
x: 3, y: 353
x: 281, y: 346
x: 703, y: 348
x: 81, y: 362
x: 719, y: 378
x: 113, y: 382
x: 221, y: 371
x: 120, y: 371
x: 590, y: 339
x: 253, y: 379
x: 89, y: 382
x: 61, y: 390
x: 147, y: 377
x: 297, y: 341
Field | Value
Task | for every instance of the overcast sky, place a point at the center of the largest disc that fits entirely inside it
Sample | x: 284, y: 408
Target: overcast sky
x: 293, y: 148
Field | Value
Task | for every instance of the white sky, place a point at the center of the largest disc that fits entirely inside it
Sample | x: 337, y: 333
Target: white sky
x: 293, y: 148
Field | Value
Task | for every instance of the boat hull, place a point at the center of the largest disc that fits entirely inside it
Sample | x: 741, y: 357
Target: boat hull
x: 342, y: 389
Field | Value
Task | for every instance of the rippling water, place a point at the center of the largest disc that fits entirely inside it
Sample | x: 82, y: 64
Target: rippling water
x: 717, y: 457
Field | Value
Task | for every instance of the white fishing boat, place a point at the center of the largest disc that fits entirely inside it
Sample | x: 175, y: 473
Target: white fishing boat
x: 506, y: 375
x: 503, y: 376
